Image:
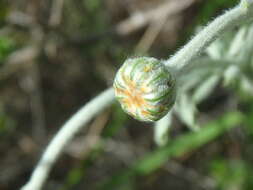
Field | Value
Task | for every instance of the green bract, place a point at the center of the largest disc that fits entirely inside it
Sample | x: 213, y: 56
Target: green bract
x: 145, y: 88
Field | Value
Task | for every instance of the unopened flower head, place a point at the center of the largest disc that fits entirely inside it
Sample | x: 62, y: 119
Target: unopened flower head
x: 145, y: 88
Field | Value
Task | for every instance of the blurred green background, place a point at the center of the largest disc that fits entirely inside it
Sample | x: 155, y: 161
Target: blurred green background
x: 57, y: 55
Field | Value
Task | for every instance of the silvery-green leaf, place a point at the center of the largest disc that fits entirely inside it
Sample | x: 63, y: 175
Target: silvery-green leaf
x: 189, y: 82
x: 215, y: 49
x: 230, y: 74
x: 237, y: 43
x: 248, y: 47
x: 205, y: 88
x: 201, y: 70
x: 186, y: 110
x: 203, y: 65
x: 246, y: 85
x: 161, y: 130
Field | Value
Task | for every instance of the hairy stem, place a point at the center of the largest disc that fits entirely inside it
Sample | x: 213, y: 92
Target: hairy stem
x: 65, y: 134
x: 229, y: 19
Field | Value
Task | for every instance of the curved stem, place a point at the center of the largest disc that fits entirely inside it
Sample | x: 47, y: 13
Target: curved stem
x: 66, y: 133
x: 192, y: 49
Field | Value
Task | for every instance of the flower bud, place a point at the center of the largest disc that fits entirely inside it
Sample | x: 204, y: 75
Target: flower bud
x: 145, y: 88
